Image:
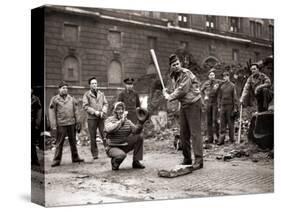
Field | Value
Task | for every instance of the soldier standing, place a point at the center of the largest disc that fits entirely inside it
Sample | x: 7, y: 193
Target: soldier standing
x: 130, y: 98
x: 228, y: 105
x: 210, y: 91
x: 259, y: 84
x: 187, y: 91
x: 96, y: 105
x: 63, y: 115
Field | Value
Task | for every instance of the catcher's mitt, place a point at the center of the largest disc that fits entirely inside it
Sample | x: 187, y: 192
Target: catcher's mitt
x: 142, y: 114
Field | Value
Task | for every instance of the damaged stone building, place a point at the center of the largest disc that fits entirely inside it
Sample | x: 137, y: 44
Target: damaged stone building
x: 114, y: 44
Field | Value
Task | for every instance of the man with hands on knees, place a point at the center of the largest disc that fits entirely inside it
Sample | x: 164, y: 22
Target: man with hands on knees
x: 96, y: 106
x: 64, y: 122
x: 187, y: 91
x: 124, y: 136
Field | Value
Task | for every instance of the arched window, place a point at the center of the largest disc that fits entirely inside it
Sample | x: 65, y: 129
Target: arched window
x: 114, y: 73
x: 70, y: 68
x: 210, y: 61
x: 150, y: 69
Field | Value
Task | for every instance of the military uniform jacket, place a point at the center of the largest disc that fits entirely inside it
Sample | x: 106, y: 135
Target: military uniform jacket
x: 92, y: 103
x: 63, y: 111
x: 130, y: 99
x: 187, y: 88
x: 210, y: 89
x: 255, y: 81
x: 227, y: 95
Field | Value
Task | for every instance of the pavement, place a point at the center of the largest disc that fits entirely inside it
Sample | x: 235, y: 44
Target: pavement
x: 93, y: 182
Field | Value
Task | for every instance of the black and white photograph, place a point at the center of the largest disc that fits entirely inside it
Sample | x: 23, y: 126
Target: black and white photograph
x: 133, y: 105
x: 140, y: 105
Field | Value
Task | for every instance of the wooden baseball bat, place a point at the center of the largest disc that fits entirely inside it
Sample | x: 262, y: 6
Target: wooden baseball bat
x: 154, y: 58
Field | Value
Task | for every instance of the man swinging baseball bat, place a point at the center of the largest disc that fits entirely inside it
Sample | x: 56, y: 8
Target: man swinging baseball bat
x: 187, y: 92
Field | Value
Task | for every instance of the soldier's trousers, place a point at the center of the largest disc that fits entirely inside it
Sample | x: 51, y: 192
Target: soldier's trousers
x: 135, y: 142
x: 62, y: 132
x: 226, y: 120
x: 190, y: 128
x: 212, y: 121
x: 93, y: 125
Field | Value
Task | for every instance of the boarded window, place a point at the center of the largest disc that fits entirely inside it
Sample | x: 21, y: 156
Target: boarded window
x: 71, y: 32
x: 114, y: 73
x: 114, y: 38
x: 70, y: 69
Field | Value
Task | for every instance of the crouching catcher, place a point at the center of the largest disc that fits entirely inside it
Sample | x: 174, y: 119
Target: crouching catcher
x: 123, y: 136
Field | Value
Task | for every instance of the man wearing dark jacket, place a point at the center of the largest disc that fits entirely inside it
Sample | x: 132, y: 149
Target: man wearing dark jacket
x: 187, y: 91
x: 130, y: 98
x: 228, y: 104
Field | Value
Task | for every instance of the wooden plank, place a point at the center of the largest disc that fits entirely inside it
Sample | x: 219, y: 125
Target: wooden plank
x: 176, y: 171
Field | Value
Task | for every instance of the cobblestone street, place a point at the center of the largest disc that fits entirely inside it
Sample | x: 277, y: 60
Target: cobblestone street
x: 95, y: 182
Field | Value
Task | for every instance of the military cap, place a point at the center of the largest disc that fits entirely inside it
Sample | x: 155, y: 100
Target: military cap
x: 62, y: 83
x: 225, y: 73
x: 212, y: 70
x: 129, y: 81
x: 173, y: 58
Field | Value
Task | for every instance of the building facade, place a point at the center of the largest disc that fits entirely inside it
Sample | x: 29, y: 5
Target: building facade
x: 114, y: 44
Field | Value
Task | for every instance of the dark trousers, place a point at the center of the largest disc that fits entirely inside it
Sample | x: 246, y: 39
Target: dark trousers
x: 263, y: 97
x: 63, y: 131
x: 93, y: 124
x: 135, y: 142
x: 227, y: 120
x: 35, y: 136
x: 190, y: 127
x: 212, y: 121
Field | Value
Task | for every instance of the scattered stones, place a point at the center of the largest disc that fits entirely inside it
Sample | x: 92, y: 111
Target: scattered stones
x: 219, y: 157
x: 207, y: 146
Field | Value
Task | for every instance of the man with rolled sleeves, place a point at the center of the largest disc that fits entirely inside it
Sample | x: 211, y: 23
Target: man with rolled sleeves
x: 64, y: 121
x: 259, y: 84
x: 130, y: 98
x: 228, y: 105
x: 187, y: 91
x: 210, y: 91
x: 96, y: 106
